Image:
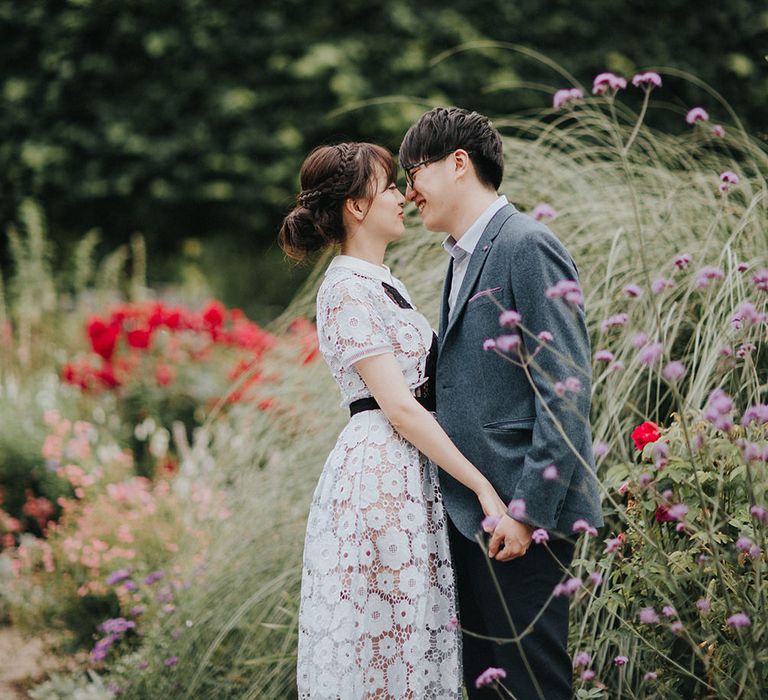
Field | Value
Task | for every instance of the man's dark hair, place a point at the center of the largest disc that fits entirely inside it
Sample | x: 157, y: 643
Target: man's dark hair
x: 446, y: 129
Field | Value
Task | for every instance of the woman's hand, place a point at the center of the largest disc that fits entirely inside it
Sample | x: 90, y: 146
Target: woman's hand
x: 490, y: 502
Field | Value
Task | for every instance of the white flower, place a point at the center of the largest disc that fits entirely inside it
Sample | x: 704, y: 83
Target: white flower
x: 445, y: 576
x: 369, y: 489
x: 353, y: 322
x: 385, y: 581
x: 348, y: 555
x: 411, y: 581
x: 392, y: 483
x: 439, y: 609
x: 380, y: 431
x: 346, y: 524
x: 378, y: 615
x: 398, y: 454
x: 387, y: 647
x: 345, y: 655
x: 412, y: 516
x: 374, y: 678
x: 393, y: 548
x: 343, y: 490
x: 396, y: 679
x: 409, y: 339
x: 376, y: 518
x: 446, y: 641
x: 330, y: 589
x: 405, y: 613
x: 367, y: 553
x: 325, y: 554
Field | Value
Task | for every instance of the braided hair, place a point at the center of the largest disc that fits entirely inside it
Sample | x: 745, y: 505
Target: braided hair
x: 329, y: 176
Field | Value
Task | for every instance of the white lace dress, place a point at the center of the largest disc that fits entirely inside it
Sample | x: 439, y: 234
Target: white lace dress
x: 377, y: 591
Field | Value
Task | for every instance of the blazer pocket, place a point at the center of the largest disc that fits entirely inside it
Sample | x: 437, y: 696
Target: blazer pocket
x: 504, y: 426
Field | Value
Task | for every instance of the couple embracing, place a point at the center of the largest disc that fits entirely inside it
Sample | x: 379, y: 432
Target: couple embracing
x: 402, y: 596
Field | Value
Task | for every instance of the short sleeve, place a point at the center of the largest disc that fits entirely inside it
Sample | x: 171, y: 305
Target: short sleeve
x: 351, y: 323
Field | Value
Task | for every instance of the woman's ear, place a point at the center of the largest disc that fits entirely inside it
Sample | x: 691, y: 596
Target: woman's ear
x: 355, y: 208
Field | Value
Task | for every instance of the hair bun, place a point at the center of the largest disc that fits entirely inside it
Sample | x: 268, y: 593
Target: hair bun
x: 309, y: 199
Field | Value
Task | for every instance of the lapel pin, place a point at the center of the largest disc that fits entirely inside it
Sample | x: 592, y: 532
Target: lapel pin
x: 485, y: 247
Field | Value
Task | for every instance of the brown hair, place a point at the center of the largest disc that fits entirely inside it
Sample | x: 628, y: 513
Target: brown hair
x: 329, y: 176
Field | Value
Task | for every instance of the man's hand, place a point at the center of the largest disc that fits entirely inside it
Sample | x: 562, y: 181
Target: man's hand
x: 513, y: 536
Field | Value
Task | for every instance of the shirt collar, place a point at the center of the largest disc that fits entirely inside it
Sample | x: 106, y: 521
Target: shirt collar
x: 465, y: 246
x: 361, y: 267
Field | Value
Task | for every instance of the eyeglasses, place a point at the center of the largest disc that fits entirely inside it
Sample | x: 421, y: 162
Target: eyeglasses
x: 410, y: 171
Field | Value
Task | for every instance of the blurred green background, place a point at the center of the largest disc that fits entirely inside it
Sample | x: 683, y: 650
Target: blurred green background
x: 187, y: 120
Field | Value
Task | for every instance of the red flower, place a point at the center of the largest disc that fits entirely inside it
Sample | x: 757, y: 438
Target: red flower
x: 164, y: 374
x: 140, y: 338
x: 662, y: 515
x: 645, y: 433
x: 213, y: 314
x: 103, y: 337
x: 107, y: 376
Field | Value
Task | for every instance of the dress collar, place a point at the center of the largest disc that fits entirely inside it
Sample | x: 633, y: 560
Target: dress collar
x: 465, y: 246
x: 361, y: 267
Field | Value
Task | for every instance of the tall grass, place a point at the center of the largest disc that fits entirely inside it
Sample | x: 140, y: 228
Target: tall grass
x: 624, y: 214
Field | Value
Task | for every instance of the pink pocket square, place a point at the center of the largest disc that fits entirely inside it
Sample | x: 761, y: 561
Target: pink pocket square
x: 484, y: 293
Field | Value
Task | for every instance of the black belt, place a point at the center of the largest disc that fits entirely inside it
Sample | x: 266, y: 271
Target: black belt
x: 426, y: 392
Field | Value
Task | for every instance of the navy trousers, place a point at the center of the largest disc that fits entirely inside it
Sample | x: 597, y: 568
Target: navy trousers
x: 526, y: 582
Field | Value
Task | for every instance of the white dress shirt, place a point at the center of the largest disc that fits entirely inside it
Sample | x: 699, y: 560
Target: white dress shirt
x: 461, y: 250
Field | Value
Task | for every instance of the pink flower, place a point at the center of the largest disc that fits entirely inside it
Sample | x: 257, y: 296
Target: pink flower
x: 632, y: 291
x: 568, y: 588
x: 678, y: 511
x: 623, y: 488
x: 581, y: 525
x: 743, y: 544
x: 644, y: 479
x: 595, y: 578
x: 516, y: 509
x: 673, y: 371
x: 697, y: 114
x: 506, y: 343
x: 171, y: 661
x: 649, y: 80
x: 738, y: 620
x: 573, y: 384
x: 668, y: 611
x: 545, y: 337
x: 550, y: 473
x: 660, y: 284
x: 453, y: 624
x: 681, y: 261
x: 651, y: 353
x: 587, y: 674
x: 613, y: 321
x: 703, y: 605
x: 613, y: 544
x: 565, y: 97
x: 639, y: 340
x: 600, y: 449
x: 648, y: 616
x: 603, y: 356
x: 489, y: 523
x: 583, y: 658
x: 490, y: 676
x: 616, y: 366
x: 650, y: 676
x: 543, y: 211
x: 729, y: 177
x: 568, y: 290
x: 540, y: 536
x: 607, y: 81
x: 760, y: 280
x: 620, y: 660
x: 509, y: 318
x: 706, y: 274
x: 759, y: 513
x: 676, y: 627
x: 489, y: 344
x: 742, y: 266
x: 718, y: 130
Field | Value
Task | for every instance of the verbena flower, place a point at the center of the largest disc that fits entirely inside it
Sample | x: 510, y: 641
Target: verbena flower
x: 171, y: 661
x: 673, y: 371
x: 644, y: 479
x: 718, y: 130
x: 568, y: 290
x: 453, y: 624
x: 509, y: 318
x: 600, y: 449
x: 697, y: 114
x: 678, y: 511
x: 743, y: 544
x: 676, y: 627
x: 605, y: 82
x: 738, y: 620
x: 566, y: 97
x: 668, y: 611
x: 707, y: 274
x: 118, y: 576
x: 616, y: 320
x: 760, y: 280
x: 489, y: 523
x: 620, y: 660
x: 681, y: 261
x: 587, y: 674
x: 507, y: 343
x: 639, y: 340
x: 568, y: 588
x: 516, y: 509
x: 613, y: 544
x: 573, y: 384
x: 550, y: 472
x: 543, y: 211
x: 660, y: 284
x: 489, y: 344
x: 490, y: 676
x: 759, y: 513
x: 632, y: 291
x: 648, y: 80
x: 545, y: 337
x: 704, y: 605
x: 595, y: 578
x: 540, y: 536
x: 583, y: 658
x: 651, y: 353
x: 580, y: 526
x: 729, y: 177
x: 604, y: 356
x: 648, y: 616
x: 650, y: 676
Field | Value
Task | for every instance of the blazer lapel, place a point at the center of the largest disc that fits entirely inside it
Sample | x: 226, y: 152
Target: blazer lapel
x: 476, y: 263
x: 446, y: 293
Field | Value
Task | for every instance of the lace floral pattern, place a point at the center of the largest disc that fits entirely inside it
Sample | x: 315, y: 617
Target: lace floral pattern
x: 377, y: 594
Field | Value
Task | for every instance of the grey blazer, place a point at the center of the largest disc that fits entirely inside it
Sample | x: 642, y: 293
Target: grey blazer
x: 487, y: 405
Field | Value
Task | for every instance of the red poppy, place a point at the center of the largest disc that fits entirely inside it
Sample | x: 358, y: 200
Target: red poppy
x: 645, y: 433
x: 214, y: 314
x: 103, y: 337
x: 140, y: 338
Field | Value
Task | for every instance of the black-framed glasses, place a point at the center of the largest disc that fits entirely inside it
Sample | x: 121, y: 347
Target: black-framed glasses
x: 410, y: 171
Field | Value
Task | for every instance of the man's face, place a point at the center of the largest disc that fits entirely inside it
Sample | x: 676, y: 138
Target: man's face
x: 430, y: 188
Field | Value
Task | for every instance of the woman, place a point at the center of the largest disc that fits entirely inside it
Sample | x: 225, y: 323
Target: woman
x: 377, y: 614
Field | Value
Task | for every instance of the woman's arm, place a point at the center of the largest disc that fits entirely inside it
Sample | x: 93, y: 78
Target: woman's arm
x: 384, y: 378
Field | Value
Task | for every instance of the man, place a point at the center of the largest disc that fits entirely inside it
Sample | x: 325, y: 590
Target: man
x: 514, y: 410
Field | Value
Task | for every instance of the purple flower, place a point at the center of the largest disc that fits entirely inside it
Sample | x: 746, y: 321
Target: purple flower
x: 718, y: 130
x: 142, y: 665
x: 747, y: 312
x: 129, y: 586
x: 516, y: 509
x: 154, y: 577
x: 507, y: 343
x: 697, y: 114
x: 639, y: 340
x: 651, y: 353
x: 613, y: 321
x: 744, y: 349
x: 545, y: 337
x: 489, y: 344
x: 117, y: 576
x: 668, y: 611
x: 489, y: 523
x: 565, y: 97
x: 509, y: 318
x: 581, y: 525
x: 543, y: 211
x: 116, y: 626
x: 490, y: 676
x: 612, y: 544
x: 706, y: 274
x: 729, y: 177
x: 682, y: 260
x: 648, y: 616
x: 540, y: 536
x: 760, y: 280
x: 568, y: 588
x: 583, y: 658
x: 738, y: 620
x: 743, y: 544
x: 620, y: 660
x: 673, y: 371
x: 754, y: 552
x: 136, y: 611
x: 595, y: 578
x: 600, y: 449
x: 759, y: 513
x: 607, y: 81
x: 644, y: 479
x: 171, y: 661
x: 649, y: 80
x: 587, y: 674
x: 632, y: 291
x: 660, y: 284
x: 650, y: 676
x: 703, y: 605
x: 604, y: 356
x: 550, y: 473
x: 678, y: 511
